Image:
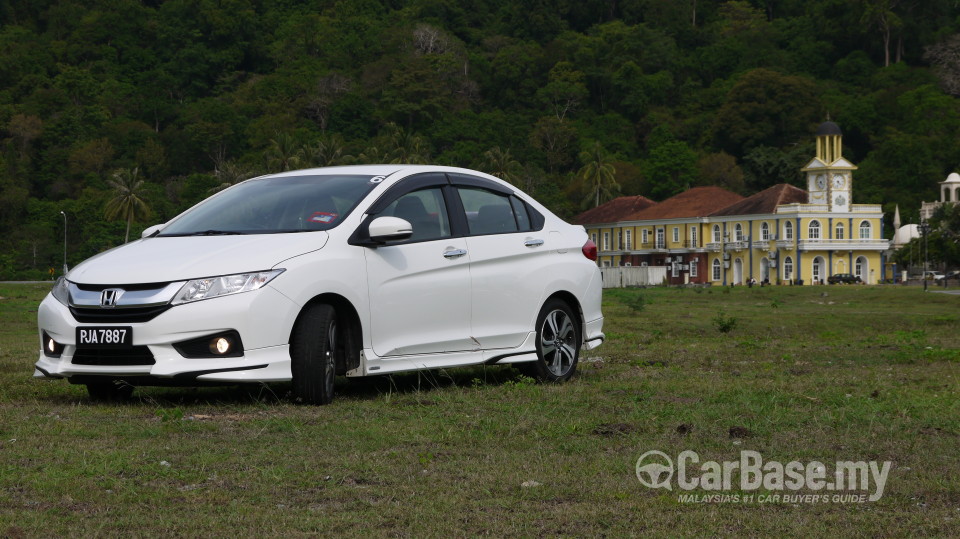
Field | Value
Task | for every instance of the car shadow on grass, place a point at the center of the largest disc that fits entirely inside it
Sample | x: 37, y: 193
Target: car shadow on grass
x: 366, y: 388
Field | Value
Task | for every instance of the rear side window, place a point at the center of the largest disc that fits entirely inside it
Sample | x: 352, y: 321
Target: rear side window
x: 488, y: 212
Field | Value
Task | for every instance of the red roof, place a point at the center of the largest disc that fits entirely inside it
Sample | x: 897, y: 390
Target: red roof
x: 695, y: 202
x: 615, y: 210
x: 765, y: 201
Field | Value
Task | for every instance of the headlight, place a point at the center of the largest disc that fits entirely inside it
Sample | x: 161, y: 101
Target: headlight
x: 61, y: 292
x: 213, y: 287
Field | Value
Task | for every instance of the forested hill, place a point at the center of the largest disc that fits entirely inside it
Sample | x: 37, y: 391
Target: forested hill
x: 162, y: 102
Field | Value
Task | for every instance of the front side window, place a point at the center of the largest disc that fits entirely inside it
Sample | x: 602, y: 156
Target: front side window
x: 425, y: 211
x: 275, y: 206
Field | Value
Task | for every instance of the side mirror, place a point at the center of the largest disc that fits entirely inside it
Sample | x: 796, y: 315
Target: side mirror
x: 151, y: 231
x: 384, y: 229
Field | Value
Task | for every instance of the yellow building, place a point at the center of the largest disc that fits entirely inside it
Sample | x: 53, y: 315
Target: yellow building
x: 780, y: 235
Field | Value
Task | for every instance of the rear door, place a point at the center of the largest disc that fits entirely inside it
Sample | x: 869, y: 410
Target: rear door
x: 509, y: 261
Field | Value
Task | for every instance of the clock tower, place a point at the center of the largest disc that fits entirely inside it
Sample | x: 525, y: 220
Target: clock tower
x: 829, y: 175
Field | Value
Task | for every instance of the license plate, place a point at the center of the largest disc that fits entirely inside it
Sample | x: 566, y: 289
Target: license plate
x: 104, y: 337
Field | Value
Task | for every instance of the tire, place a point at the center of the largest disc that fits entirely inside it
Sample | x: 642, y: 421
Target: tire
x: 315, y: 347
x: 109, y: 391
x: 558, y: 343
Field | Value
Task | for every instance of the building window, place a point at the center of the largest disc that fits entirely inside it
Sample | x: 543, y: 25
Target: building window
x: 660, y: 238
x: 620, y: 239
x: 838, y: 232
x: 628, y: 240
x: 817, y: 270
x: 593, y: 238
x: 693, y: 267
x: 788, y: 230
x: 738, y: 232
x: 676, y: 234
x: 693, y: 237
x: 606, y: 242
x: 787, y: 268
x: 764, y: 231
x: 813, y: 231
x: 716, y: 269
x: 644, y: 236
x: 716, y: 233
x: 864, y: 230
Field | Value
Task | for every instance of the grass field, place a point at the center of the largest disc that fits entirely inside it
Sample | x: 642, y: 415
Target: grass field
x: 799, y: 374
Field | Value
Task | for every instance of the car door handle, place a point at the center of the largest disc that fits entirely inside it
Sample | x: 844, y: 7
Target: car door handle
x: 533, y: 243
x: 454, y: 253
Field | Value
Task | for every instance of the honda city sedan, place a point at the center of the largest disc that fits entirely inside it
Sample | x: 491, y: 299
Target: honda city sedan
x: 309, y: 274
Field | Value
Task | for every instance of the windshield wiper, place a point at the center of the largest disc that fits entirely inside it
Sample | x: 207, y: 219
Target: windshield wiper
x: 208, y: 233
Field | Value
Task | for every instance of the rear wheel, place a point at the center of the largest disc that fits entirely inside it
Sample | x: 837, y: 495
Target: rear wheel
x: 314, y: 349
x: 558, y: 343
x: 109, y: 391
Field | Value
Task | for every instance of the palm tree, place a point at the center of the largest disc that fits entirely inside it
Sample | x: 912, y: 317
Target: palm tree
x: 127, y: 202
x: 407, y: 147
x: 232, y: 173
x: 598, y: 173
x: 326, y: 151
x: 501, y: 164
x: 282, y: 154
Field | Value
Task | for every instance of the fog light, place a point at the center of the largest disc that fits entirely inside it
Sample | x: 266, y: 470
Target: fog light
x: 51, y: 348
x: 220, y: 346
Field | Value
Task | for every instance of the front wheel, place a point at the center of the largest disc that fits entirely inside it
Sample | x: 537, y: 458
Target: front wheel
x: 558, y: 343
x: 314, y: 348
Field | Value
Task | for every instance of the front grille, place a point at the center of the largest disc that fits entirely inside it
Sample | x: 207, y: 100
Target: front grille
x: 118, y: 315
x: 138, y: 355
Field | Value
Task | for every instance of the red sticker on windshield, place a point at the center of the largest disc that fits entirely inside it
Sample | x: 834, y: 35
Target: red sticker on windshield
x: 323, y: 217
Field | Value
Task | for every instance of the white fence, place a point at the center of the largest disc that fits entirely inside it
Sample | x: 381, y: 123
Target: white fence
x: 624, y: 276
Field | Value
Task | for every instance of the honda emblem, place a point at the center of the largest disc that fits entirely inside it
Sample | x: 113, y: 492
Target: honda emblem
x: 110, y: 297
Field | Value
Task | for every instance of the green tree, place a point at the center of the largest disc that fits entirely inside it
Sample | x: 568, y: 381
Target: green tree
x: 128, y: 198
x: 501, y: 164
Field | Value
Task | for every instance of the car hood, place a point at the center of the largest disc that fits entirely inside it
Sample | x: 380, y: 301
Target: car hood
x: 165, y: 259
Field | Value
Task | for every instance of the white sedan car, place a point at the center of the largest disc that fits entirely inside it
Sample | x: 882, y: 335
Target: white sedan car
x: 304, y: 275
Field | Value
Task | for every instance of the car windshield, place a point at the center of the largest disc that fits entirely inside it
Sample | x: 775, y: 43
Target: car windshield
x: 275, y: 206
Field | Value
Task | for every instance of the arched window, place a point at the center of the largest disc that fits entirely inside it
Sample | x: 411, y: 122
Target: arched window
x: 838, y: 232
x: 716, y: 233
x: 738, y: 232
x: 787, y: 268
x: 788, y: 230
x: 716, y: 269
x: 764, y: 231
x: 813, y: 232
x: 864, y: 230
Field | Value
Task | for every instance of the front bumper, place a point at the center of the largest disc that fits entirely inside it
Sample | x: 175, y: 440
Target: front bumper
x: 263, y: 318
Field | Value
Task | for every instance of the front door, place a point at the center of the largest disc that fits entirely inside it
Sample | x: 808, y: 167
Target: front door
x: 420, y: 289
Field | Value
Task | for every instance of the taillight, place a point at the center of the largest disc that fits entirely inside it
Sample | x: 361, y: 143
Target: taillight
x: 590, y: 250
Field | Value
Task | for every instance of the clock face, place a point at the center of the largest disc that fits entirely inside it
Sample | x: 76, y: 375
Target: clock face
x: 821, y: 181
x: 838, y: 181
